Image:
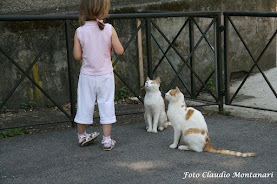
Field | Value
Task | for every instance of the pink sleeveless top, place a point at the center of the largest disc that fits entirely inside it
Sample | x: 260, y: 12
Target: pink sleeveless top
x: 96, y: 46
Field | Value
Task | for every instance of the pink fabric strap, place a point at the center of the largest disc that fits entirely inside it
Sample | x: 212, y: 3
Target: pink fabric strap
x: 101, y: 21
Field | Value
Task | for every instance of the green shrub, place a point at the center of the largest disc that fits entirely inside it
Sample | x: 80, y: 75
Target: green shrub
x: 29, y: 105
x: 3, y: 109
x: 122, y: 93
x: 12, y: 132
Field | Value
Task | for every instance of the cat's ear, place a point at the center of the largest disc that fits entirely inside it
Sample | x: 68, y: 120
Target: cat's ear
x: 177, y: 90
x: 147, y: 79
x: 158, y: 79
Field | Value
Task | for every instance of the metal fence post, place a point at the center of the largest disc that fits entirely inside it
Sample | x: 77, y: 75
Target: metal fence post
x: 149, y: 48
x: 219, y: 63
x: 70, y: 71
x: 226, y: 62
x: 192, y: 65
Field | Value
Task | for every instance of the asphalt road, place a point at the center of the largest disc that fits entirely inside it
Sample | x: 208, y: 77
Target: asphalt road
x: 141, y: 157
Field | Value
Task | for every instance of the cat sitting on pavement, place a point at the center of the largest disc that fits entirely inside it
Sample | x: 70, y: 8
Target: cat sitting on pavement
x: 155, y: 115
x: 190, y: 126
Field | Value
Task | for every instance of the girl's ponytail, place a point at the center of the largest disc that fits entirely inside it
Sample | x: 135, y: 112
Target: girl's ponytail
x: 100, y: 24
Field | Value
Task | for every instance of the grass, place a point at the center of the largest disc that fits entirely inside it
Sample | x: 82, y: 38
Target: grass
x: 12, y: 132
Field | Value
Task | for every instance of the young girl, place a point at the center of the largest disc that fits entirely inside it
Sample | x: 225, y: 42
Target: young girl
x: 93, y: 42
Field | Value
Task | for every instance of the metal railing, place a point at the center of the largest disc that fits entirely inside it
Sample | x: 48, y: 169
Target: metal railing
x: 64, y: 23
x: 228, y: 22
x: 188, y: 61
x: 148, y: 23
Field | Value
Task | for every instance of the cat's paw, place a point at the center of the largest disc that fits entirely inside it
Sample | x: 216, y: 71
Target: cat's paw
x: 161, y: 128
x: 183, y: 147
x: 173, y: 146
x: 154, y: 131
x: 166, y: 124
x: 149, y: 130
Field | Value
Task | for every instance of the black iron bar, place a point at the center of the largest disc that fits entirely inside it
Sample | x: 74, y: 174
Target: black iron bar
x: 192, y: 64
x: 34, y: 82
x: 171, y: 64
x: 257, y: 108
x: 185, y: 60
x: 127, y: 85
x: 149, y: 48
x: 206, y: 81
x: 37, y: 17
x: 250, y: 14
x: 255, y: 61
x: 171, y: 44
x: 72, y: 91
x: 201, y: 31
x: 219, y: 64
x: 73, y: 25
x: 129, y: 42
x: 226, y: 60
x: 209, y: 14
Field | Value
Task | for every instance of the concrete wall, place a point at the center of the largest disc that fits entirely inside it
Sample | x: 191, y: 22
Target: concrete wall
x: 23, y: 40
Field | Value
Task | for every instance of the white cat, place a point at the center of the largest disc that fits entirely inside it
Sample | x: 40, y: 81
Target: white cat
x: 190, y: 126
x: 155, y: 116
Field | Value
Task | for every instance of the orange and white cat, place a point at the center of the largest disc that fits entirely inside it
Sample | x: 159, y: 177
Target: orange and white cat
x: 190, y: 126
x: 155, y: 116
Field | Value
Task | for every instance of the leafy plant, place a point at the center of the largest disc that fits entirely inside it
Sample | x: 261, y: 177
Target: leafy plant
x: 49, y: 104
x: 211, y: 83
x: 32, y: 104
x: 3, y: 109
x: 24, y: 106
x: 12, y: 132
x: 29, y: 105
x: 122, y: 93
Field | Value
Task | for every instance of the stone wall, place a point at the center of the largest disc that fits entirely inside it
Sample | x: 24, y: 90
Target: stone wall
x: 23, y: 40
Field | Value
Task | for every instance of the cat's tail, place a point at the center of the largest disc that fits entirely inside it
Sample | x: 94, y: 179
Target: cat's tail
x: 209, y: 148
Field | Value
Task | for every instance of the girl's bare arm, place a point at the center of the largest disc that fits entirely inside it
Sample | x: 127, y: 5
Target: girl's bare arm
x: 116, y: 43
x: 77, y: 49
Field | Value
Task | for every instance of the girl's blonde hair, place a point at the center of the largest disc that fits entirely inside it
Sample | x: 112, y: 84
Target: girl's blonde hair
x: 93, y: 10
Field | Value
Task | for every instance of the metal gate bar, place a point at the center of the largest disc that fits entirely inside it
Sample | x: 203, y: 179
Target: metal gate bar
x: 31, y: 65
x: 186, y: 60
x: 169, y: 61
x: 66, y: 21
x: 227, y: 20
x: 34, y: 82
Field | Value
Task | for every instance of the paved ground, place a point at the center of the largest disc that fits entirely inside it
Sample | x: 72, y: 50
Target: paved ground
x: 140, y: 157
x: 254, y: 93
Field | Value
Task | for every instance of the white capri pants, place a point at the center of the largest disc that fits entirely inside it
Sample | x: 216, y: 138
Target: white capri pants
x: 90, y: 89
